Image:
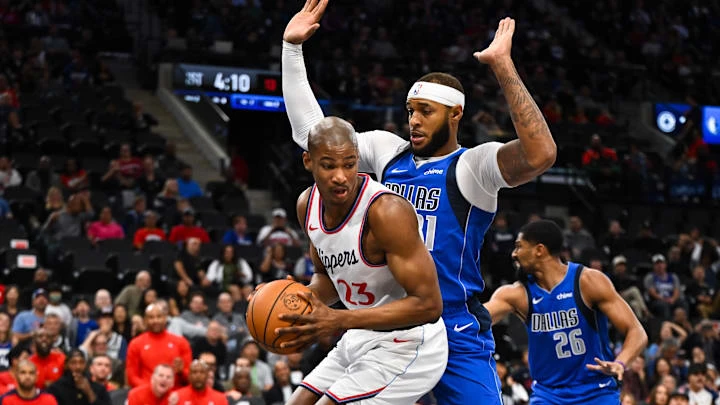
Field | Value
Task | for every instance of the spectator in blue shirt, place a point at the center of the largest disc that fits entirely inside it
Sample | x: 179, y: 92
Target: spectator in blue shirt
x: 27, y: 321
x: 238, y: 234
x: 187, y: 187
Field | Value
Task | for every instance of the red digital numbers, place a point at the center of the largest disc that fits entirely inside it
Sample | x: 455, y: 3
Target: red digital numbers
x: 357, y: 291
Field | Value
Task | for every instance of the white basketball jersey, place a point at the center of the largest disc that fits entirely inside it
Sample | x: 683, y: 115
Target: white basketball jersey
x: 359, y: 283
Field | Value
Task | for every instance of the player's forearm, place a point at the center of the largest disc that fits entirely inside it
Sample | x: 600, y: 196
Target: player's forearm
x: 635, y: 342
x: 324, y: 289
x: 537, y: 143
x: 302, y: 108
x: 409, y: 311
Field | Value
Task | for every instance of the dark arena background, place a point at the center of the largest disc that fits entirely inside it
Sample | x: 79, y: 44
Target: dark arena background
x: 139, y: 137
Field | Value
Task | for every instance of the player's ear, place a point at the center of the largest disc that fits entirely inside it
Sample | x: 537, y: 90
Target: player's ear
x: 307, y: 161
x: 456, y: 113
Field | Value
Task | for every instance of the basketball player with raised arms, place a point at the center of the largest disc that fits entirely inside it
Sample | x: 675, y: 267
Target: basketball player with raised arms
x: 566, y: 308
x: 368, y: 254
x: 454, y: 190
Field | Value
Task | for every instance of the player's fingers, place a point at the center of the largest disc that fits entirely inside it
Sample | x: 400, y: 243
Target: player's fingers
x: 320, y: 8
x: 599, y: 361
x: 593, y: 367
x: 308, y: 5
x: 301, y: 341
x: 511, y: 26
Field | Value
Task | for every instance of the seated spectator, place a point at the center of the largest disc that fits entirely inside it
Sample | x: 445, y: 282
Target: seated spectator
x: 239, y: 170
x: 198, y: 391
x: 101, y: 370
x: 5, y: 340
x: 601, y: 163
x: 278, y: 231
x: 699, y: 294
x: 9, y: 177
x: 646, y: 240
x: 125, y: 170
x: 213, y: 342
x: 67, y: 222
x: 260, y: 371
x: 615, y: 240
x: 54, y: 327
x: 43, y: 177
x: 74, y: 178
x: 56, y: 304
x: 626, y: 285
x: 577, y: 238
x: 197, y: 312
x: 213, y: 373
x: 131, y: 294
x: 180, y: 299
x: 82, y: 324
x: 188, y: 229
x: 233, y: 322
x: 706, y: 337
x: 238, y: 234
x: 678, y: 398
x: 512, y: 391
x: 103, y: 301
x: 230, y: 187
x: 157, y: 391
x: 187, y: 187
x: 635, y: 379
x: 282, y: 388
x: 105, y: 341
x: 168, y: 163
x: 274, y: 265
x: 28, y: 321
x: 136, y: 216
x: 11, y: 306
x: 149, y: 296
x: 75, y: 388
x: 167, y: 199
x: 54, y: 201
x: 41, y: 281
x: 229, y: 270
x: 105, y: 227
x: 695, y: 387
x: 142, y: 121
x: 8, y: 378
x: 304, y: 269
x: 149, y: 232
x: 188, y: 266
x: 49, y: 363
x: 122, y: 323
x: 150, y: 182
x: 663, y: 289
x: 243, y: 391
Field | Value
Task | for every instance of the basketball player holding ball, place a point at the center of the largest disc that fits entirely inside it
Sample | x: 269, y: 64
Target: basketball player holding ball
x: 368, y: 254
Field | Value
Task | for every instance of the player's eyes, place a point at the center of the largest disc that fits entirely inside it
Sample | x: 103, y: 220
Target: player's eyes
x: 410, y: 112
x: 350, y: 165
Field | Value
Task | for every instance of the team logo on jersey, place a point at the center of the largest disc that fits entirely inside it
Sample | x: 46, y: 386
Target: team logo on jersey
x: 563, y: 296
x: 292, y: 302
x: 332, y: 261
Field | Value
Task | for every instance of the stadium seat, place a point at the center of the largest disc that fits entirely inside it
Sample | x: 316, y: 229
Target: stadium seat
x: 202, y: 203
x: 128, y: 265
x: 213, y: 219
x: 20, y: 265
x: 235, y: 205
x: 210, y: 250
x: 91, y: 279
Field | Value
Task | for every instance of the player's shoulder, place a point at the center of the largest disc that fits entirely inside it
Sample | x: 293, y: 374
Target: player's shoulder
x: 510, y: 291
x: 387, y: 204
x: 594, y: 284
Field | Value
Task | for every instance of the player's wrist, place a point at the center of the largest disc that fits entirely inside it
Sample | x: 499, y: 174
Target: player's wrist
x: 622, y: 363
x: 292, y: 46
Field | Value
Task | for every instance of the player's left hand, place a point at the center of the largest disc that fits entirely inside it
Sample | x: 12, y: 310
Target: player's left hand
x: 322, y: 321
x: 611, y: 368
x: 501, y: 45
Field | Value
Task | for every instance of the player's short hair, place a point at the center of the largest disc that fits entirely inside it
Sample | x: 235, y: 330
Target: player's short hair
x: 544, y: 232
x: 443, y: 78
x: 331, y: 131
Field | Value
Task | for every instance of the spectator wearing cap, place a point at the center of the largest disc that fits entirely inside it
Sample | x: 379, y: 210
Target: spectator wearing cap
x: 75, y: 386
x: 82, y: 324
x: 105, y: 227
x: 187, y: 229
x: 663, y: 289
x: 41, y: 280
x: 149, y: 232
x: 626, y: 285
x: 8, y: 379
x: 131, y: 295
x: 114, y: 345
x: 49, y: 362
x: 238, y: 236
x: 577, y: 238
x: 277, y: 231
x: 695, y: 387
x: 56, y: 306
x: 28, y: 321
x: 54, y: 327
x: 187, y: 187
x: 43, y: 177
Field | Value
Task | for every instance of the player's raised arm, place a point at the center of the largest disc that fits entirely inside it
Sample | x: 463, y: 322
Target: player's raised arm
x: 534, y: 151
x: 598, y: 292
x: 320, y: 284
x: 506, y: 300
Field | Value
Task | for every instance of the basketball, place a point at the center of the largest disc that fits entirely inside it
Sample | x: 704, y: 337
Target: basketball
x: 269, y: 302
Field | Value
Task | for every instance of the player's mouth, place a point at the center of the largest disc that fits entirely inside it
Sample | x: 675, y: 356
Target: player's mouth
x: 340, y: 192
x: 416, y: 137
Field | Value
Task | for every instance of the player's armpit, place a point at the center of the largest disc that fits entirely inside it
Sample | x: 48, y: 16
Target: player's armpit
x: 508, y: 299
x: 598, y: 292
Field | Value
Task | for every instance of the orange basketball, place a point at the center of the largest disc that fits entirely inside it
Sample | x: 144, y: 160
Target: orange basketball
x: 271, y: 300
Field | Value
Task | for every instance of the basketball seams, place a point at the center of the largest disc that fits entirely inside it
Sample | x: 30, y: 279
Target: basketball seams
x: 272, y: 308
x: 307, y: 305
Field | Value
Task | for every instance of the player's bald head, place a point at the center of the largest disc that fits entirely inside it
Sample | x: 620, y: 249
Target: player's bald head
x: 331, y: 131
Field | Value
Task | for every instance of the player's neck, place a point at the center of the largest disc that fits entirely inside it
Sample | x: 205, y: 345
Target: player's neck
x: 550, y: 273
x: 450, y: 147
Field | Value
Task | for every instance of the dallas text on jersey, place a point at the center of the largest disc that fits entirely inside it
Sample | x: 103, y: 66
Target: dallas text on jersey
x: 555, y: 320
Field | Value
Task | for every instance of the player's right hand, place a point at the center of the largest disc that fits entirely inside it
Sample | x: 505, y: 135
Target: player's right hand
x: 304, y: 24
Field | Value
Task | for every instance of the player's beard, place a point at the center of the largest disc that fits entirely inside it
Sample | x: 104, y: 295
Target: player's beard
x: 520, y: 274
x: 437, y: 141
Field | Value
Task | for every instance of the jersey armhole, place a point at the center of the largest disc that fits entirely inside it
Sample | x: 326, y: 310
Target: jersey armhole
x: 587, y: 312
x: 460, y: 206
x: 362, y: 230
x: 530, y: 303
x: 307, y: 208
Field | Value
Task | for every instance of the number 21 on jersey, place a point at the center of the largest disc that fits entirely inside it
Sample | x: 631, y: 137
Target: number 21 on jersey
x: 428, y: 234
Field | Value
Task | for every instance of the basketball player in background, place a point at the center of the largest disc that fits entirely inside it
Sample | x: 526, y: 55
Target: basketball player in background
x: 453, y: 189
x: 567, y: 307
x: 367, y: 253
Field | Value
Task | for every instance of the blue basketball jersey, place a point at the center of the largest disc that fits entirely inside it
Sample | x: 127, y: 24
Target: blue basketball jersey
x: 453, y: 229
x: 564, y: 335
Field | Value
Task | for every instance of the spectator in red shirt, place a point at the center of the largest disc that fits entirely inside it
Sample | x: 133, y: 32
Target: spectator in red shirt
x: 149, y: 232
x: 188, y: 229
x: 26, y: 393
x: 8, y: 379
x: 74, y: 178
x: 125, y: 170
x: 198, y: 393
x: 50, y: 364
x: 157, y: 346
x: 158, y: 391
x: 602, y: 165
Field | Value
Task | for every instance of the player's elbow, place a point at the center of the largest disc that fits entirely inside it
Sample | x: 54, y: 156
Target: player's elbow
x: 642, y: 337
x: 432, y: 309
x: 545, y: 156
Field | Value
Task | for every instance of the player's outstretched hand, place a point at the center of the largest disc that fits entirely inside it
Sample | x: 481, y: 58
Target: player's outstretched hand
x: 611, y: 368
x: 501, y: 45
x: 304, y: 24
x: 322, y: 321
